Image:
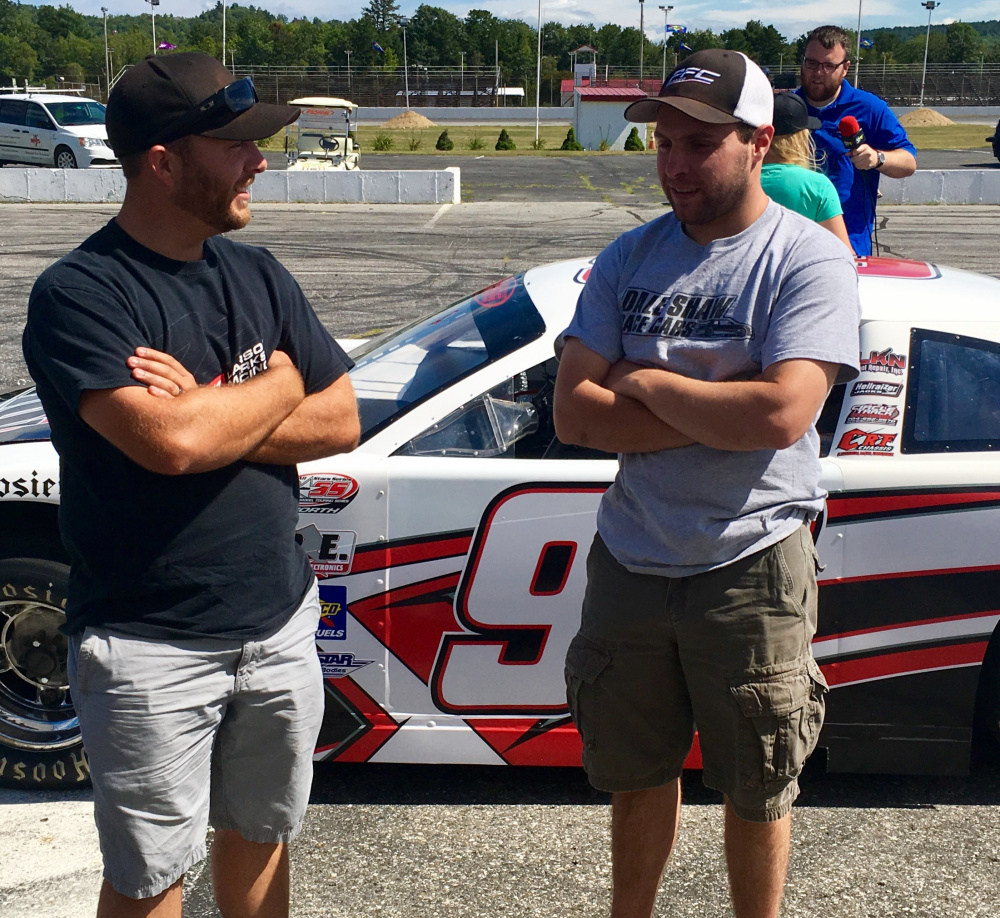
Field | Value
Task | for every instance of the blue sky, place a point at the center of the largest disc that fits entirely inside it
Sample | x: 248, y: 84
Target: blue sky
x: 791, y: 19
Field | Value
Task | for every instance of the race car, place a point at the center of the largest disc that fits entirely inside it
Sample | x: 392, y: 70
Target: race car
x: 450, y: 546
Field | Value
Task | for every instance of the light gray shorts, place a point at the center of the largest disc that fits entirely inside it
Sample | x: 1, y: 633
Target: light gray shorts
x: 183, y: 732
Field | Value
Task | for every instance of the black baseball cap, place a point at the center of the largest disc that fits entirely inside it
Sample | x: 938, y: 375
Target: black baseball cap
x: 166, y: 97
x: 791, y: 114
x: 717, y: 86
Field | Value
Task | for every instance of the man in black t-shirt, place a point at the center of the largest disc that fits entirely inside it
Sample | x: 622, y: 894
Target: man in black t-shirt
x: 184, y: 375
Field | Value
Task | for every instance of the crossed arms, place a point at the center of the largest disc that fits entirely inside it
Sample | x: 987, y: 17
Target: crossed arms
x: 174, y: 427
x: 627, y: 408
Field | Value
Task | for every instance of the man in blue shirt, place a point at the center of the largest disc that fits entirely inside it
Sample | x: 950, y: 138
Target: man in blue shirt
x: 886, y: 150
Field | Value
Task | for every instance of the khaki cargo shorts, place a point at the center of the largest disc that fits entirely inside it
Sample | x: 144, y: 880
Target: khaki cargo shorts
x: 728, y: 650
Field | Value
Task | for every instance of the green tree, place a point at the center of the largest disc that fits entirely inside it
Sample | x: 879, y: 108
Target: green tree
x: 18, y: 61
x: 964, y: 43
x: 383, y: 13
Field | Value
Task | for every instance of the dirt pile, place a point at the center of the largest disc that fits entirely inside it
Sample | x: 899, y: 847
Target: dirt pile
x: 924, y: 117
x: 410, y: 121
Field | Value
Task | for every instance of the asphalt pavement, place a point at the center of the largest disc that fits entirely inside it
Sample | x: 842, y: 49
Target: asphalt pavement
x: 598, y: 177
x: 420, y: 841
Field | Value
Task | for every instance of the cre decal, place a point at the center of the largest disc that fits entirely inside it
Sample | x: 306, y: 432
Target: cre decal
x: 333, y: 607
x: 338, y: 665
x: 583, y: 274
x: 883, y: 389
x: 859, y: 442
x: 887, y: 361
x: 330, y: 553
x: 25, y: 487
x: 327, y: 493
x: 873, y: 414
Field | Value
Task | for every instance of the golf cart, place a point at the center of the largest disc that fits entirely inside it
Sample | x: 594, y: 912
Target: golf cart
x: 323, y: 136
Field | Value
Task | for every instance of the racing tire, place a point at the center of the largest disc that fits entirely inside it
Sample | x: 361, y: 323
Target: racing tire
x: 65, y: 158
x: 40, y: 742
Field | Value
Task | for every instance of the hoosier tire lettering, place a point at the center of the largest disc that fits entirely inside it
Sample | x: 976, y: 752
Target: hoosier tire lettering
x: 40, y: 742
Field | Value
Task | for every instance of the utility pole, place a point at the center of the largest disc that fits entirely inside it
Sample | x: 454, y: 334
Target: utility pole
x: 666, y: 15
x: 223, y: 33
x: 857, y: 56
x: 107, y: 57
x: 461, y: 85
x: 642, y: 39
x: 404, y: 22
x: 348, y: 72
x: 930, y: 6
x: 153, y: 4
x: 538, y: 72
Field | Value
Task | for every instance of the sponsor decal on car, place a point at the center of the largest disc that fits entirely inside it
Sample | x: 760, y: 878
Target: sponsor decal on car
x: 28, y: 487
x: 859, y: 442
x: 583, y: 274
x: 338, y: 665
x: 330, y: 553
x: 326, y: 493
x: 333, y: 610
x: 883, y: 389
x: 498, y: 294
x: 873, y: 414
x: 887, y: 361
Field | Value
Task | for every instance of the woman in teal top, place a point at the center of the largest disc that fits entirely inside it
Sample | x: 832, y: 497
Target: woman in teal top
x: 789, y: 173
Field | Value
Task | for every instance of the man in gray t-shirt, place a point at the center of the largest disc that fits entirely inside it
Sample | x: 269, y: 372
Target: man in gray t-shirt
x: 703, y: 347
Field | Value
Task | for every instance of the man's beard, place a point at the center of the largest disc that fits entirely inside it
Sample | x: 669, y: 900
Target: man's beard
x: 204, y: 198
x: 726, y: 195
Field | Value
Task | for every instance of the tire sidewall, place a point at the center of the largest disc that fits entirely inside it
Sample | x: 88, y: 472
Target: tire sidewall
x: 46, y: 582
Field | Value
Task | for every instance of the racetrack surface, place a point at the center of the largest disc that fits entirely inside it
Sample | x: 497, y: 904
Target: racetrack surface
x: 598, y: 178
x: 369, y: 267
x: 422, y: 841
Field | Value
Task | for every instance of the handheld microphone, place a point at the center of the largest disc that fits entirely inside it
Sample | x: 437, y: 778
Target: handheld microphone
x: 851, y: 133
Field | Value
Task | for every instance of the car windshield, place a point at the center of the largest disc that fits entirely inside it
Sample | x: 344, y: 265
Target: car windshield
x: 399, y: 370
x: 22, y: 416
x: 83, y: 111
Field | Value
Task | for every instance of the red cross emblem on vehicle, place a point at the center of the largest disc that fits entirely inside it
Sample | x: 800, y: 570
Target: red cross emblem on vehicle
x: 35, y: 140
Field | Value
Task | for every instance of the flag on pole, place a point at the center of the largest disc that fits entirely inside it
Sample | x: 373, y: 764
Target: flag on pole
x: 867, y: 43
x: 685, y: 47
x: 676, y: 30
x: 377, y: 47
x: 165, y: 46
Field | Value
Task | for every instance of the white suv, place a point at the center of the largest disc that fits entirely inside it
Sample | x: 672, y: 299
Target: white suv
x: 46, y: 129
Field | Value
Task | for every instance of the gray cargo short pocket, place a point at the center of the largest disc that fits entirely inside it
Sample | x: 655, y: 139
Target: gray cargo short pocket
x: 782, y: 716
x: 586, y: 659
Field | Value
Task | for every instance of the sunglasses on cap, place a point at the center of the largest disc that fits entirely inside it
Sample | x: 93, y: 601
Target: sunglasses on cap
x: 234, y: 99
x: 237, y: 97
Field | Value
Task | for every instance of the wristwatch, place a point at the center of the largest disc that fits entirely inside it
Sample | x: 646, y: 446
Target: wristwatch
x: 881, y: 160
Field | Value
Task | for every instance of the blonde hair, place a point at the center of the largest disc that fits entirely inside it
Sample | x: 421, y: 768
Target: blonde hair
x: 798, y: 149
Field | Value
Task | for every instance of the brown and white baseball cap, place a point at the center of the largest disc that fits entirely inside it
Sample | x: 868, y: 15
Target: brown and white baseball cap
x: 717, y: 86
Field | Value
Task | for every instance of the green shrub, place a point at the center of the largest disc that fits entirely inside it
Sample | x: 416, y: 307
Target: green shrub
x: 604, y: 145
x: 414, y: 141
x: 633, y: 142
x: 504, y: 142
x: 382, y: 141
x: 538, y: 143
x: 444, y: 142
x: 571, y: 143
x: 476, y: 143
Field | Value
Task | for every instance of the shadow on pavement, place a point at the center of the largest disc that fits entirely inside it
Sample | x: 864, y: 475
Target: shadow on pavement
x: 451, y: 785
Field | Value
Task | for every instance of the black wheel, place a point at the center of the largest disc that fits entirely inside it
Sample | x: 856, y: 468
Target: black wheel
x: 40, y: 743
x: 65, y: 158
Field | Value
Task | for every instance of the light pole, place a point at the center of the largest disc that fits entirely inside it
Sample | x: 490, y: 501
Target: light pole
x: 538, y: 72
x: 928, y: 5
x: 642, y: 39
x: 857, y: 56
x: 403, y: 23
x: 107, y: 57
x: 223, y: 33
x: 348, y: 72
x: 153, y: 4
x: 461, y: 85
x: 666, y: 15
